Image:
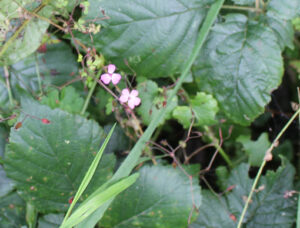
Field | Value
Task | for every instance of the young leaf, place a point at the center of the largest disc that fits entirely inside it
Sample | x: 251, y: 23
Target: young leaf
x: 256, y: 150
x: 204, y: 108
x: 49, y: 161
x: 69, y: 100
x: 161, y: 197
x: 240, y: 65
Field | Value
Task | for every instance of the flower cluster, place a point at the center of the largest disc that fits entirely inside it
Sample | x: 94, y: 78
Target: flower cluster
x: 127, y: 96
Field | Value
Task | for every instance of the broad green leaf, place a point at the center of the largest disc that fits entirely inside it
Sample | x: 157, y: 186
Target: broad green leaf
x: 48, y: 161
x: 51, y: 66
x: 240, y: 65
x: 203, y: 106
x: 256, y: 150
x: 50, y: 221
x: 161, y: 197
x: 270, y: 205
x: 244, y: 2
x: 284, y: 9
x: 139, y: 33
x: 153, y: 99
x: 68, y: 99
x: 12, y: 211
x: 6, y: 185
x: 283, y: 29
x: 27, y: 41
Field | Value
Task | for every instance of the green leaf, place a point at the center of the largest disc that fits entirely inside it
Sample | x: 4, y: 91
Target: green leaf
x: 284, y: 9
x: 270, y: 207
x: 244, y: 2
x: 48, y: 161
x: 51, y: 66
x: 161, y: 197
x: 12, y: 212
x: 6, y: 185
x: 256, y: 150
x: 28, y: 40
x: 139, y: 32
x: 204, y: 107
x: 240, y: 65
x: 184, y: 115
x: 50, y: 221
x: 68, y: 99
x: 153, y: 100
x: 283, y: 29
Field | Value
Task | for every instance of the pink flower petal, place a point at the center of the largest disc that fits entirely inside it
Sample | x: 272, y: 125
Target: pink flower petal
x: 105, y: 78
x: 111, y: 68
x: 115, y: 78
x: 134, y: 93
x: 123, y: 98
x: 131, y: 103
x: 136, y: 101
x: 125, y: 92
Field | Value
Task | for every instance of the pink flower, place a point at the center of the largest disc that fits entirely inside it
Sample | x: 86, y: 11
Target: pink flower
x: 131, y: 98
x: 110, y: 75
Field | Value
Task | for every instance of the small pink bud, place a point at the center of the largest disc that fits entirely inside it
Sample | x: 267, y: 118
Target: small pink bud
x: 45, y: 121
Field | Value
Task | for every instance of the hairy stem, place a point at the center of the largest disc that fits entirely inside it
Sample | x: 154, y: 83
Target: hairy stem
x: 242, y: 8
x: 37, y: 69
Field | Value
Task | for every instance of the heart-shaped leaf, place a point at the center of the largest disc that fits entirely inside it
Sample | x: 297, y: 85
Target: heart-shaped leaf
x: 240, y: 65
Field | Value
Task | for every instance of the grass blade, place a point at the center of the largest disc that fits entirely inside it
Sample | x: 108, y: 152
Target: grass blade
x: 89, y: 206
x: 89, y: 174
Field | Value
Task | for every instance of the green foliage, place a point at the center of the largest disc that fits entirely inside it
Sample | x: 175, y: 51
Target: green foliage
x: 154, y: 99
x: 251, y: 67
x: 256, y: 150
x: 68, y: 99
x: 161, y: 197
x: 12, y: 211
x: 49, y: 170
x: 140, y: 31
x: 50, y: 221
x: 269, y: 206
x: 6, y: 185
x: 203, y: 107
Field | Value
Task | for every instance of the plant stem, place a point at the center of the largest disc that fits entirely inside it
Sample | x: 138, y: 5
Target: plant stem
x: 273, y: 145
x: 242, y: 8
x: 91, y: 91
x: 37, y: 69
x: 10, y: 97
